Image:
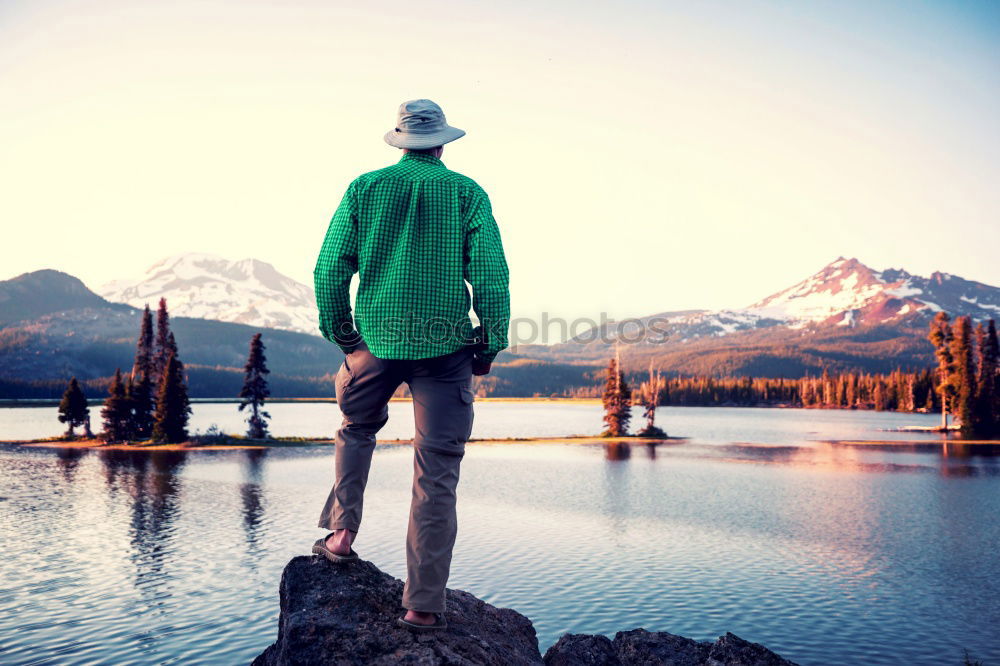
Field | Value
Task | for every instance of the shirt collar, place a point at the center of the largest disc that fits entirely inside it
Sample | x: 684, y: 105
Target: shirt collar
x: 421, y: 157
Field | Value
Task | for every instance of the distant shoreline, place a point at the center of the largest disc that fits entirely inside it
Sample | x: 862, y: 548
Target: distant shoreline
x: 96, y: 402
x: 290, y: 442
x: 238, y: 443
x: 54, y: 402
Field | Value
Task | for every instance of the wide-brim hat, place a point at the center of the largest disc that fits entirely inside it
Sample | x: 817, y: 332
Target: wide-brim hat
x: 420, y: 124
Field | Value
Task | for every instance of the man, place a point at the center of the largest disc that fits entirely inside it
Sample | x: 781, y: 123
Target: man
x: 415, y: 232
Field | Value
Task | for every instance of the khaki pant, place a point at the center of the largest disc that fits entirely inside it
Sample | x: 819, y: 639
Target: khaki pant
x: 442, y: 407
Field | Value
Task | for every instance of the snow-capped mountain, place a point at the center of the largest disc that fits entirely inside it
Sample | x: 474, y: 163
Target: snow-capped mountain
x: 206, y: 286
x: 845, y: 292
x: 848, y: 293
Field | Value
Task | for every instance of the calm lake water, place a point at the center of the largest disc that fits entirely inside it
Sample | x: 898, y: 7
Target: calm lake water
x: 826, y: 553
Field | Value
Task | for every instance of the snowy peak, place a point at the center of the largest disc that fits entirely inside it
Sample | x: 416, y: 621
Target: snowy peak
x: 206, y: 286
x: 846, y: 292
x: 840, y: 286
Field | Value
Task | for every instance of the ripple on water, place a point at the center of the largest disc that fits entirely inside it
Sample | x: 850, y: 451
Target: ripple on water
x: 120, y: 560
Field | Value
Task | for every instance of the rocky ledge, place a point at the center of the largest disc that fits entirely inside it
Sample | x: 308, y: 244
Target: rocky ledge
x: 346, y: 614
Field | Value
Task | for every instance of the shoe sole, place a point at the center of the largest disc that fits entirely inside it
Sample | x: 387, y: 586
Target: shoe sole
x: 319, y: 549
x: 441, y: 623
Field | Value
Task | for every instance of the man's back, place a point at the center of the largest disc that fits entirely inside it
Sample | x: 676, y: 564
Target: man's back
x: 415, y: 231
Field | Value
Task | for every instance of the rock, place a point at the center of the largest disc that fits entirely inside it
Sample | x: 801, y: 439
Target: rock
x: 731, y: 650
x: 342, y: 614
x: 346, y: 614
x: 639, y: 647
x: 581, y: 650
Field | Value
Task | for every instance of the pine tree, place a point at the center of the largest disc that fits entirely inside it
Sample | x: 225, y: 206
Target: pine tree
x: 115, y: 412
x: 172, y: 405
x: 963, y: 377
x: 162, y: 349
x: 73, y: 408
x: 617, y: 401
x: 143, y: 375
x: 255, y: 389
x: 650, y: 399
x: 988, y: 357
x: 941, y: 337
x: 131, y: 422
x: 878, y: 397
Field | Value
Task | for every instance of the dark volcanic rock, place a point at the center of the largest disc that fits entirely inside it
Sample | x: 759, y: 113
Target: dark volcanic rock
x: 582, y: 650
x: 640, y: 647
x: 346, y: 614
x: 343, y: 614
x: 731, y: 650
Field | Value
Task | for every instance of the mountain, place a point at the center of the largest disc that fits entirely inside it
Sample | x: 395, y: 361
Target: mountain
x: 845, y: 316
x: 206, y: 286
x: 848, y: 293
x: 43, y: 292
x: 52, y: 327
x: 844, y: 293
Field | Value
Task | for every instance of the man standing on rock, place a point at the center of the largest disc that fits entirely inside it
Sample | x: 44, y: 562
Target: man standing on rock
x: 415, y: 232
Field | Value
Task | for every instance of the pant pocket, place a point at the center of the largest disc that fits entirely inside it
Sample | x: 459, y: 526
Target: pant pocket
x: 467, y: 397
x: 342, y: 381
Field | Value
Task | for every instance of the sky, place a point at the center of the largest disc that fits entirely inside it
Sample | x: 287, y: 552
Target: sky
x: 640, y: 156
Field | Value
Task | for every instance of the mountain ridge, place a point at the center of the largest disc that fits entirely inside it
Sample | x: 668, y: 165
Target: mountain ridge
x: 207, y: 286
x: 53, y: 327
x: 844, y: 293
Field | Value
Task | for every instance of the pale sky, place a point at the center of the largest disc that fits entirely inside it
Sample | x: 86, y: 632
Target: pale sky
x: 640, y: 156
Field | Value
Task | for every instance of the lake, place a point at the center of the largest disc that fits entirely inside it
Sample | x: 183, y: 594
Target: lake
x: 826, y: 553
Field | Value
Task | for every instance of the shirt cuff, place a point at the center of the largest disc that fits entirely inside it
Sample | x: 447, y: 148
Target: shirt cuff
x: 486, y: 356
x: 344, y: 335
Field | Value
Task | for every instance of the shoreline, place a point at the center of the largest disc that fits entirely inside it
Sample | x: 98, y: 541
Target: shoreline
x: 237, y: 443
x: 291, y: 442
x: 97, y: 402
x: 92, y: 402
x: 912, y: 442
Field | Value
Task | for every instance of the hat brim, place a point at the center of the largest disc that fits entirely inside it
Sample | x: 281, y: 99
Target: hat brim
x: 416, y: 141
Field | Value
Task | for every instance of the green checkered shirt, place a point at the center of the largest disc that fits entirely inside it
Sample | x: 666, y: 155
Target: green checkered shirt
x: 414, y: 232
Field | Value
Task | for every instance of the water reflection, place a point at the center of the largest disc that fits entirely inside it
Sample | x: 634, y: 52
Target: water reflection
x: 69, y: 462
x: 956, y: 449
x: 252, y: 504
x: 828, y: 552
x: 617, y: 481
x: 617, y: 450
x: 150, y: 482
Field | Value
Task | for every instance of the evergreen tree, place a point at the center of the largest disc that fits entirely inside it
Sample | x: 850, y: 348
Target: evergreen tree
x: 116, y: 413
x: 170, y: 347
x: 988, y: 357
x: 143, y: 375
x: 255, y: 389
x: 940, y: 336
x: 617, y: 401
x: 73, y: 409
x: 878, y: 397
x: 131, y: 423
x: 650, y: 399
x: 163, y: 342
x: 963, y: 376
x: 172, y: 405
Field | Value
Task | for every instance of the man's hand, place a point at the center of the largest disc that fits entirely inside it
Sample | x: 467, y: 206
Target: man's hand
x: 480, y: 366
